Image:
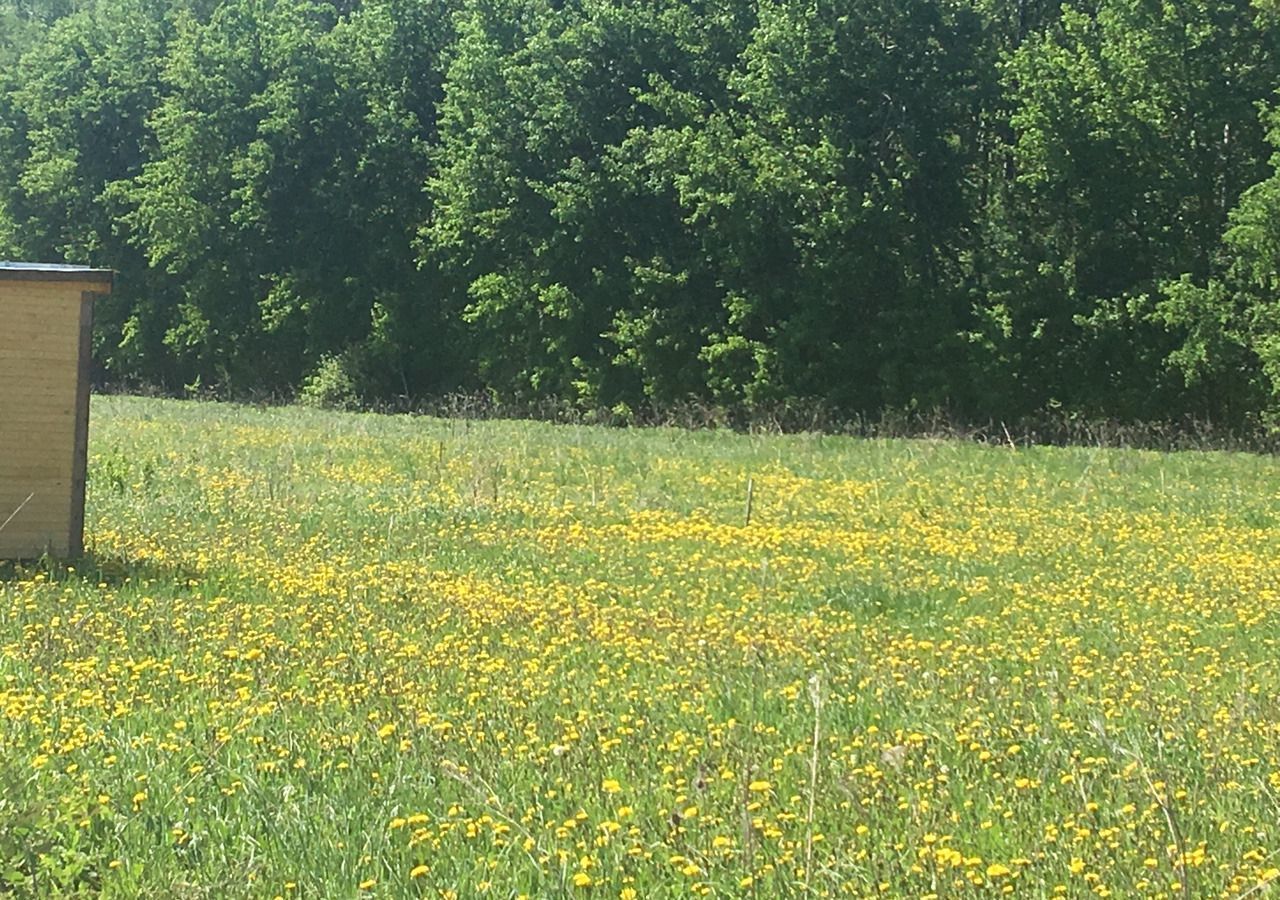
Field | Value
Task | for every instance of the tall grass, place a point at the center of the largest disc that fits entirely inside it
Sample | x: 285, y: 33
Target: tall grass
x: 331, y: 654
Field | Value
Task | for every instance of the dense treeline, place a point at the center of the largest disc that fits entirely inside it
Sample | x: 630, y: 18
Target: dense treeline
x: 991, y: 206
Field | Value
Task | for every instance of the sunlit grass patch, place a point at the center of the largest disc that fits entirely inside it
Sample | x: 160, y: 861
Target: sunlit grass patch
x: 331, y: 655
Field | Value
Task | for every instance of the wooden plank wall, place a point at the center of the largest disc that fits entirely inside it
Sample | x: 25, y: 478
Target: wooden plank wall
x: 40, y: 360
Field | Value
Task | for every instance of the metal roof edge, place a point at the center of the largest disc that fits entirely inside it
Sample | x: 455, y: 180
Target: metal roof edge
x: 20, y: 271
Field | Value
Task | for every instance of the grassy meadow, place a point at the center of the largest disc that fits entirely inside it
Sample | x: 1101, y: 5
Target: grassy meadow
x: 333, y: 655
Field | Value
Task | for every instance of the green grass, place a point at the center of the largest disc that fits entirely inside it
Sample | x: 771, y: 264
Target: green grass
x: 313, y: 651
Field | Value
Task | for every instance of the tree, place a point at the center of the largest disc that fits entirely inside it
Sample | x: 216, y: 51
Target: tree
x: 556, y: 203
x: 74, y: 128
x: 1136, y: 133
x: 1229, y: 324
x: 286, y: 188
x: 840, y: 203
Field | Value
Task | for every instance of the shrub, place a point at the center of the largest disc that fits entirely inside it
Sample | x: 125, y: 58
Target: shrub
x: 331, y: 385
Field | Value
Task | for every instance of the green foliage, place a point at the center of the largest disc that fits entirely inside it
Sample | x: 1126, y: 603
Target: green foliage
x: 1230, y: 324
x: 51, y: 845
x: 987, y: 206
x: 330, y: 386
x: 1135, y: 132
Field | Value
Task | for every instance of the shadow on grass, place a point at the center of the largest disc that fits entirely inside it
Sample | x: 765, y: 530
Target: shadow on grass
x: 94, y: 567
x: 881, y: 601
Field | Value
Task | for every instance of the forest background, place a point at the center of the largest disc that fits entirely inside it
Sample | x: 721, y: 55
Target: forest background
x: 993, y: 207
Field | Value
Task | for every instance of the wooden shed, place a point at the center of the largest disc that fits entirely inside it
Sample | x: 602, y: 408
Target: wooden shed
x: 46, y: 316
